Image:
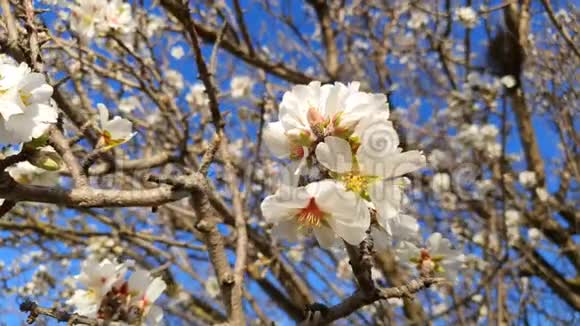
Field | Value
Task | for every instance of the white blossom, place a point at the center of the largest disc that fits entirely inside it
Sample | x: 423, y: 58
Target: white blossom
x: 542, y: 194
x: 467, y: 16
x: 440, y: 182
x: 313, y: 110
x: 439, y: 159
x: 86, y: 15
x: 154, y: 25
x: 343, y: 269
x: 436, y: 258
x: 197, y: 96
x: 128, y: 104
x: 105, y: 294
x: 25, y: 109
x: 212, y: 287
x: 91, y: 18
x: 418, y: 19
x: 482, y: 138
x: 512, y: 221
x: 144, y: 290
x: 26, y: 173
x: 400, y: 228
x: 448, y: 201
x: 241, y: 86
x: 374, y: 172
x: 98, y: 279
x: 508, y: 81
x: 324, y: 207
x: 527, y: 179
x: 177, y: 52
x: 535, y: 235
x: 175, y: 79
x: 114, y: 132
x: 118, y: 17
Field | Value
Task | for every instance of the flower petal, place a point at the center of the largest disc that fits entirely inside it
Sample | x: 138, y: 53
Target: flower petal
x: 35, y: 85
x: 119, y: 128
x: 276, y: 139
x: 395, y: 166
x: 349, y: 215
x: 325, y: 236
x: 9, y: 109
x: 388, y: 198
x: 284, y: 205
x: 333, y: 102
x: 154, y: 290
x: 335, y: 154
x: 287, y: 230
x: 103, y: 114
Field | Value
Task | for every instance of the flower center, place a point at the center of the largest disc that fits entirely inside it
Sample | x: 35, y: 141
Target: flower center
x: 358, y: 183
x: 296, y: 152
x: 24, y: 179
x: 107, y: 137
x: 310, y: 215
x: 427, y: 264
x: 25, y: 98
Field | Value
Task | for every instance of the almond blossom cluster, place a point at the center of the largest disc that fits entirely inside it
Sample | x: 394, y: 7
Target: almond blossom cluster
x: 107, y: 295
x: 90, y: 18
x: 348, y: 171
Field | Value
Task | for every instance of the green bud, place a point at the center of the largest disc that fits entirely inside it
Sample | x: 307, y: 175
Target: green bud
x: 46, y: 160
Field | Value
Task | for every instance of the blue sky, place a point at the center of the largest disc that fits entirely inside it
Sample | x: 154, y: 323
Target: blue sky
x: 256, y: 20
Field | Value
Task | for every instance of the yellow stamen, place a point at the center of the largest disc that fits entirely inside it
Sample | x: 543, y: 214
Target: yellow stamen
x: 25, y: 98
x: 357, y: 183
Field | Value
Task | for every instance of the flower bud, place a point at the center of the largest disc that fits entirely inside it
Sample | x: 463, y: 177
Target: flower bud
x: 47, y: 159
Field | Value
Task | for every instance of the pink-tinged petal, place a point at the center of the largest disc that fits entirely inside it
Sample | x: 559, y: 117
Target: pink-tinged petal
x: 335, y: 154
